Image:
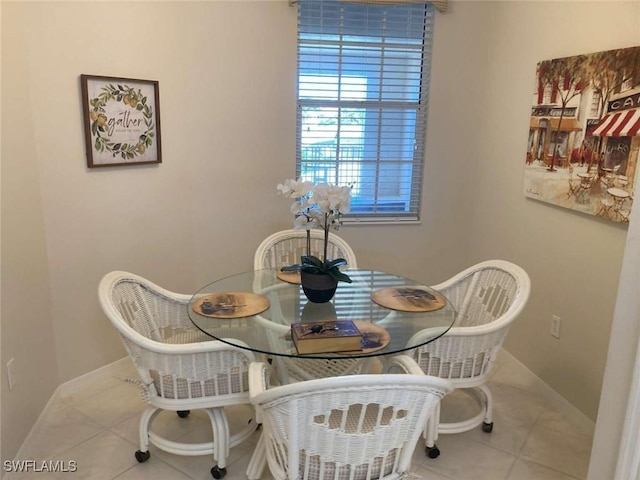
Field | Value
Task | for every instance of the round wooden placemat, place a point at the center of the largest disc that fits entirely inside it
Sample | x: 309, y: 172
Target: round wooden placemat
x: 374, y: 337
x: 232, y: 304
x: 409, y: 299
x: 289, y: 277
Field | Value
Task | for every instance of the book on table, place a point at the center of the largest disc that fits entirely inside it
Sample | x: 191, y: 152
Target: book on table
x: 326, y: 336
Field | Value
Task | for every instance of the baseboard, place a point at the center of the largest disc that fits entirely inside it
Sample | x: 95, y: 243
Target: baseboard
x: 102, y: 373
x: 64, y: 390
x: 557, y: 400
x: 21, y: 454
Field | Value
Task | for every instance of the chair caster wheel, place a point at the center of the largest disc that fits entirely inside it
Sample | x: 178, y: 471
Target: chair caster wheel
x: 183, y: 413
x: 487, y: 427
x: 142, y: 456
x: 432, y: 452
x: 217, y: 472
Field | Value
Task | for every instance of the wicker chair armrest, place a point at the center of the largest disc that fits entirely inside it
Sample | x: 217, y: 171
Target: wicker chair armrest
x: 523, y: 279
x: 258, y: 378
x: 427, y: 334
x: 180, y: 298
x: 448, y: 285
x: 193, y: 348
x: 118, y: 275
x: 402, y: 364
x: 458, y: 277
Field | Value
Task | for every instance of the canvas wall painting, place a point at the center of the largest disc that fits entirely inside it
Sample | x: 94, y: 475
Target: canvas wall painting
x: 584, y: 133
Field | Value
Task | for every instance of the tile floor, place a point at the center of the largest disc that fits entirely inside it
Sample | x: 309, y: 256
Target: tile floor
x: 97, y: 428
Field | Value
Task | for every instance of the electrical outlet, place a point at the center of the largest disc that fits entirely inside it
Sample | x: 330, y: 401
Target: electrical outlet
x: 12, y: 376
x: 555, y: 325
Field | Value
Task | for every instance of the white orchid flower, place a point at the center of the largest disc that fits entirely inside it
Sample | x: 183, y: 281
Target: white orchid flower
x: 339, y: 198
x: 319, y: 205
x: 285, y: 188
x: 320, y: 195
x: 317, y: 217
x: 296, y: 207
x: 295, y: 188
x: 302, y: 222
x: 332, y: 198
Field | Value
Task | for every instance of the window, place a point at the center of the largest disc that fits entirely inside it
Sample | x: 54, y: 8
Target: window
x: 548, y: 94
x: 595, y: 105
x: 363, y: 77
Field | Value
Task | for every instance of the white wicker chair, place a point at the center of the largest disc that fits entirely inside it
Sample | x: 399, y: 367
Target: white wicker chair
x: 488, y: 297
x: 287, y: 246
x: 358, y: 427
x: 180, y: 368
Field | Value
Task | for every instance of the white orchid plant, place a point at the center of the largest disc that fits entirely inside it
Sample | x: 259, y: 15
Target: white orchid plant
x: 318, y: 206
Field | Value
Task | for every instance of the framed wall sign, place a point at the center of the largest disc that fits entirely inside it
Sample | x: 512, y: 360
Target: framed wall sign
x: 121, y: 121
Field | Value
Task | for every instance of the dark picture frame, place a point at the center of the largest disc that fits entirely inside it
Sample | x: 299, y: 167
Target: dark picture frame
x: 121, y: 121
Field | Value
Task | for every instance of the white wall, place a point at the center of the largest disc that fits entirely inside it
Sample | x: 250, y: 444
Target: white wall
x: 227, y: 78
x: 615, y: 443
x: 474, y: 206
x: 574, y: 260
x: 226, y: 72
x: 27, y: 324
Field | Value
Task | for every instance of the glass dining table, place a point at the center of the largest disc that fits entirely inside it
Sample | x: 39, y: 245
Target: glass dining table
x: 255, y: 311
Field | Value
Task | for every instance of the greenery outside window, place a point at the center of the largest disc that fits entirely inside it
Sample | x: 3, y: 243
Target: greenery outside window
x: 363, y: 78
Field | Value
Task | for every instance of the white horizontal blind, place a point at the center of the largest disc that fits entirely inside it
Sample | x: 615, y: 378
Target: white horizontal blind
x: 363, y: 76
x: 441, y: 5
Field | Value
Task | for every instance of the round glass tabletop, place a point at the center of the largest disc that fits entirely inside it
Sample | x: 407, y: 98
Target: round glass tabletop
x: 256, y: 310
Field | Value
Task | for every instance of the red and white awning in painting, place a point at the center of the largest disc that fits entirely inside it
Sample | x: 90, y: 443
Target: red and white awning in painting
x: 620, y: 124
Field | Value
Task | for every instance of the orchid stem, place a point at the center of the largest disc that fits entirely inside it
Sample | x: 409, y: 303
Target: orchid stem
x: 326, y: 236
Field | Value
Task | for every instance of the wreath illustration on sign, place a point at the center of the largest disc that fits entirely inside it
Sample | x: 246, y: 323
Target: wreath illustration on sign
x: 99, y: 123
